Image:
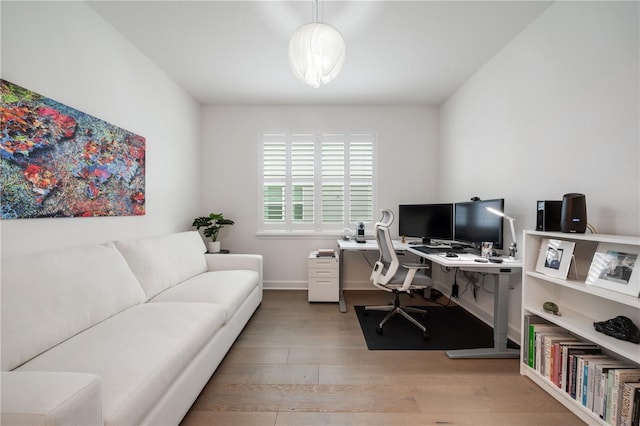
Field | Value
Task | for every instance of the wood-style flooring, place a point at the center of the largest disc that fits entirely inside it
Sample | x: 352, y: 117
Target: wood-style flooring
x: 300, y: 363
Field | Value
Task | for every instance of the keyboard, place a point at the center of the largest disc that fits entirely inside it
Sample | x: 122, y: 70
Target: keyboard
x: 430, y: 250
x: 438, y: 246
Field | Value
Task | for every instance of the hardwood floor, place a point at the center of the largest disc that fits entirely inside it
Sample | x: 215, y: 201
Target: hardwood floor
x: 298, y: 363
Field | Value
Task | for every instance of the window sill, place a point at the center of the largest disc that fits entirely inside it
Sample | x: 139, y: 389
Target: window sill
x: 300, y: 235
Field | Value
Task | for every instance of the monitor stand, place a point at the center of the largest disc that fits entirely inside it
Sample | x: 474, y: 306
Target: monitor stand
x: 429, y: 243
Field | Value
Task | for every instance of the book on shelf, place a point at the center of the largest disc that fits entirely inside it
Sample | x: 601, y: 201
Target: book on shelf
x: 528, y: 321
x: 548, y: 342
x: 629, y: 394
x: 620, y: 377
x: 600, y: 384
x: 589, y: 382
x: 536, y: 331
x: 574, y: 384
x: 566, y: 350
x: 582, y: 377
x: 569, y: 364
x: 635, y: 415
x: 326, y: 253
x: 556, y: 358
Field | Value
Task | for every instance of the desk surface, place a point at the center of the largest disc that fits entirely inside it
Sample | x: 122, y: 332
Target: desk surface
x: 466, y: 260
x: 369, y: 245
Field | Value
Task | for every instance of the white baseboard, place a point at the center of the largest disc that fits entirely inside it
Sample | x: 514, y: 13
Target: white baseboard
x: 285, y: 285
x: 304, y: 285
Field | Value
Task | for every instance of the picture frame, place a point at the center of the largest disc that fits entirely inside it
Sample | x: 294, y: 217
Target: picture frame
x: 554, y: 257
x: 613, y: 268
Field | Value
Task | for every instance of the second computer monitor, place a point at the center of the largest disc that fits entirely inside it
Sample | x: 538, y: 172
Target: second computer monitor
x: 474, y: 224
x: 426, y: 221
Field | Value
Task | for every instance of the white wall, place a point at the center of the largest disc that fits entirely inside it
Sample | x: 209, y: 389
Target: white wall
x: 65, y: 51
x: 556, y: 111
x: 408, y: 171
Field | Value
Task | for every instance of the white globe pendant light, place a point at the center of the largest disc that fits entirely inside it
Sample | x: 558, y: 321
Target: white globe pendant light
x: 316, y: 53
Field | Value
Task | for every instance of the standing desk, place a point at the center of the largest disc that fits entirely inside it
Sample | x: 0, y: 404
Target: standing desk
x: 501, y: 272
x: 352, y: 245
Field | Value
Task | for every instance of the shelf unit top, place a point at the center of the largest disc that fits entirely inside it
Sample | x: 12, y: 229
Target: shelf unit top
x: 605, y: 238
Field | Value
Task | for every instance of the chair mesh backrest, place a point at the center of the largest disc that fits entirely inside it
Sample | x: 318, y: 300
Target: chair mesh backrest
x: 388, y: 255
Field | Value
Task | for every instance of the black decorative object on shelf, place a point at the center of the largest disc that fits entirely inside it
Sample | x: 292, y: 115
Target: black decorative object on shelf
x: 619, y: 327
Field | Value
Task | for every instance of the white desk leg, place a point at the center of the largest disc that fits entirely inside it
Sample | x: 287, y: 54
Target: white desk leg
x: 500, y: 327
x: 341, y: 301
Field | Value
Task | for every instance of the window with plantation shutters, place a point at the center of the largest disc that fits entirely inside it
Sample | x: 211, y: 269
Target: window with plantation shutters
x: 317, y: 182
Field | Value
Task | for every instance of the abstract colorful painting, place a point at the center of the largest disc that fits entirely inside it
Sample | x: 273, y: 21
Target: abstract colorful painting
x: 59, y: 162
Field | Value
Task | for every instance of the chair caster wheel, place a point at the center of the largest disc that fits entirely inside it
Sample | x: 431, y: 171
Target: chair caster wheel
x: 379, y: 331
x: 426, y: 336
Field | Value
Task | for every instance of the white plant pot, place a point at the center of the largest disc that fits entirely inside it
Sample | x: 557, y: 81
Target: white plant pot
x: 214, y: 246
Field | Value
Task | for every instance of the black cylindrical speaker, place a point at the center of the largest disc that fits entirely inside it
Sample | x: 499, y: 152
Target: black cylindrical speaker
x: 573, y: 216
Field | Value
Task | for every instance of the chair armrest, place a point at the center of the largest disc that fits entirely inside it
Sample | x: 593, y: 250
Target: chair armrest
x: 230, y: 262
x: 51, y: 398
x: 411, y: 273
x: 416, y: 266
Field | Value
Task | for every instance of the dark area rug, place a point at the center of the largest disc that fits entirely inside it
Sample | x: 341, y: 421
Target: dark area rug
x: 450, y: 327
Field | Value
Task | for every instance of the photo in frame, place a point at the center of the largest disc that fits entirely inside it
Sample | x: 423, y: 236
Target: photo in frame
x: 555, y: 257
x: 613, y: 268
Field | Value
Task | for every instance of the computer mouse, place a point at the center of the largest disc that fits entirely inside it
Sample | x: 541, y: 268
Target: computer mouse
x: 451, y: 254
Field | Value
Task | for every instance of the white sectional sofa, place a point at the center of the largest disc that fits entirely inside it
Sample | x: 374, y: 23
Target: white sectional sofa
x: 123, y: 333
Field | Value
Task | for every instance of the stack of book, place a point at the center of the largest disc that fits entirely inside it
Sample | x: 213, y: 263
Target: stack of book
x: 326, y: 253
x: 608, y: 387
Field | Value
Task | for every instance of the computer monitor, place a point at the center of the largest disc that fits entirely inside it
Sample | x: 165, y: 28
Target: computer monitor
x: 474, y: 224
x: 426, y: 221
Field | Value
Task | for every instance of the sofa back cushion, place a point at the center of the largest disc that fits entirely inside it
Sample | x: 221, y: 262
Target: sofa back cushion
x: 164, y: 261
x: 49, y: 297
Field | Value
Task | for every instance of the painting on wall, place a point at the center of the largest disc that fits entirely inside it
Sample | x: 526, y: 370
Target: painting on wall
x: 60, y: 162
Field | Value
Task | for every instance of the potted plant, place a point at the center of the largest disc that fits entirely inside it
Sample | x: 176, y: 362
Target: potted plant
x: 212, y: 225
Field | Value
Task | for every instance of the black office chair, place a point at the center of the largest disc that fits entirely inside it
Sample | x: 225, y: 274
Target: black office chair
x: 388, y: 276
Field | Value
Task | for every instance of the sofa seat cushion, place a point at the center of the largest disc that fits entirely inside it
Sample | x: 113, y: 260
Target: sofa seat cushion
x: 137, y: 353
x: 163, y: 261
x: 51, y: 398
x: 50, y: 297
x: 228, y: 288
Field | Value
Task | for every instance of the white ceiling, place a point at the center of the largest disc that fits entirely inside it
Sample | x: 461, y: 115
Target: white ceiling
x: 398, y: 52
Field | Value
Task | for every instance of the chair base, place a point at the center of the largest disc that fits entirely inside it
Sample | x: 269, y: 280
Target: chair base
x: 396, y: 309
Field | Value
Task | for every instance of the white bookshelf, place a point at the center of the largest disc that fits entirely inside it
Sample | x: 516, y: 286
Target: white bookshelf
x: 580, y: 305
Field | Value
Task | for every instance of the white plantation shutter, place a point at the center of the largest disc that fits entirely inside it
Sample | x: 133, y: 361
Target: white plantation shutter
x: 317, y: 181
x: 302, y: 178
x: 361, y: 175
x: 274, y: 177
x: 332, y: 184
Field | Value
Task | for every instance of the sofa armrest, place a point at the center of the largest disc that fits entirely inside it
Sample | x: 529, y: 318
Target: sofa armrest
x: 229, y: 262
x: 50, y: 398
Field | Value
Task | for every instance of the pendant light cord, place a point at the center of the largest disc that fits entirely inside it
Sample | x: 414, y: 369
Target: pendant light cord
x: 315, y: 17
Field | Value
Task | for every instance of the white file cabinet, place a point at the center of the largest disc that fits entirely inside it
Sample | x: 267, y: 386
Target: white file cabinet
x: 323, y: 278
